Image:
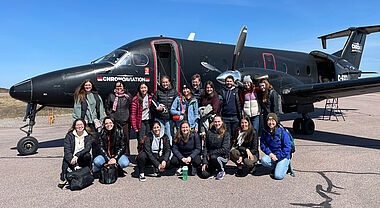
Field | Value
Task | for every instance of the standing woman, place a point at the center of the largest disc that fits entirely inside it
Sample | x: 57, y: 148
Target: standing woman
x: 77, y: 146
x: 141, y: 116
x: 163, y: 99
x: 245, y: 147
x: 275, y: 143
x: 88, y: 105
x: 186, y: 149
x: 112, y: 146
x: 269, y: 98
x: 186, y: 106
x: 249, y: 99
x: 209, y: 98
x: 156, y: 151
x: 117, y: 107
x: 216, y: 149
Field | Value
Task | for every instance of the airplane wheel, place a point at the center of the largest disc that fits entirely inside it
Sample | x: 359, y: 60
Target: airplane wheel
x: 27, y: 145
x: 297, y: 125
x: 308, y: 126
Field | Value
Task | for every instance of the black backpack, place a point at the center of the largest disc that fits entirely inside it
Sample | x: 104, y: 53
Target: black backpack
x: 79, y: 179
x: 108, y: 174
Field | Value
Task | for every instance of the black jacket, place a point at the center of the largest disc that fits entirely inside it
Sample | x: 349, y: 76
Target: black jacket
x: 213, y: 145
x: 148, y: 148
x: 191, y: 148
x: 117, y: 143
x: 272, y: 105
x: 165, y: 97
x: 69, y: 146
x: 224, y: 93
x: 121, y: 115
x: 253, y: 145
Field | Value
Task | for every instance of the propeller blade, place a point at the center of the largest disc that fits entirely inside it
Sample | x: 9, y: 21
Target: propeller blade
x: 239, y: 46
x: 360, y: 72
x: 210, y: 67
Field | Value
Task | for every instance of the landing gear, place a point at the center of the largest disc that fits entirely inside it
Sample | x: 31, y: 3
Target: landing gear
x: 28, y: 145
x: 304, y: 125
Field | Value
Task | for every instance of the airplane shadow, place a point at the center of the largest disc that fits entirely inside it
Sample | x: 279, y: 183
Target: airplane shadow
x: 317, y: 114
x: 48, y: 144
x: 341, y: 139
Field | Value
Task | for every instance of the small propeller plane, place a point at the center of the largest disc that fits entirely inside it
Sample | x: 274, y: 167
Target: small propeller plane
x: 300, y: 78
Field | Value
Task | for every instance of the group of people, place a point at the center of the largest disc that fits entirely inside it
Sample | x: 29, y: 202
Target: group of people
x: 198, y: 128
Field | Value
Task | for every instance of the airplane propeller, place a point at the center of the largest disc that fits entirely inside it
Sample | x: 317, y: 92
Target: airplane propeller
x: 239, y: 47
x: 237, y: 51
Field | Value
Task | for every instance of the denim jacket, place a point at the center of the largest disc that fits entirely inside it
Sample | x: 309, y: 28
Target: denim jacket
x: 192, y: 111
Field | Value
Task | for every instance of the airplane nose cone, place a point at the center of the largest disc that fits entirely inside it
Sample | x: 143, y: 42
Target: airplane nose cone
x: 22, y: 91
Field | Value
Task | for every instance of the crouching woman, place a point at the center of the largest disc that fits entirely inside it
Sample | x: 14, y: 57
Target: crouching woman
x: 112, y: 146
x: 186, y: 149
x: 156, y: 151
x: 77, y: 146
x: 275, y: 143
x: 216, y: 149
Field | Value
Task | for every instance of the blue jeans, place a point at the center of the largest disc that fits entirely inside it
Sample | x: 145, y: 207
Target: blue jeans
x: 167, y: 127
x: 280, y: 167
x: 231, y: 123
x: 255, y: 120
x: 99, y: 161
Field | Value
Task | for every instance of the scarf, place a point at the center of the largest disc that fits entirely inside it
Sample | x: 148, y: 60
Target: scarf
x: 117, y: 95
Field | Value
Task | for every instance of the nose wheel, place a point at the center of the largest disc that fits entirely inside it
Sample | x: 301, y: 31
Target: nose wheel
x: 29, y: 145
x: 304, y: 125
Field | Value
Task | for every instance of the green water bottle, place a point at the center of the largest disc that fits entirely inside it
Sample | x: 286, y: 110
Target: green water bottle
x: 184, y: 173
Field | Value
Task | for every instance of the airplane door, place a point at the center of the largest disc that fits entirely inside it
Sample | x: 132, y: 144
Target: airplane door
x: 166, y: 62
x: 269, y: 61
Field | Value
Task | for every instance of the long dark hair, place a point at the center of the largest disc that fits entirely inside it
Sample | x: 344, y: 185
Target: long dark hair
x: 122, y: 83
x: 204, y: 93
x: 80, y: 92
x: 139, y: 96
x: 179, y: 136
x: 87, y: 128
x: 249, y: 135
x: 264, y: 95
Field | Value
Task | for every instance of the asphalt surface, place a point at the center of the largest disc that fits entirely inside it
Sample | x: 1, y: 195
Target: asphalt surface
x: 338, y: 166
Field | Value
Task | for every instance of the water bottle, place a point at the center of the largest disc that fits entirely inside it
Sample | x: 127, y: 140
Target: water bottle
x: 184, y: 173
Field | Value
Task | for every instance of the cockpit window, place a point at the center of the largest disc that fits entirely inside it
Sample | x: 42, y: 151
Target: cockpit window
x: 140, y: 59
x: 127, y: 61
x: 114, y: 56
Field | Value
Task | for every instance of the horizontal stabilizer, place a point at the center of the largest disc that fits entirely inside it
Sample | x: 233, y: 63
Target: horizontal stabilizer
x: 337, y: 89
x: 347, y: 32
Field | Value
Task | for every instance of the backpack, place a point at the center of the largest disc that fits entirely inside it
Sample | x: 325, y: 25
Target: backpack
x: 291, y: 140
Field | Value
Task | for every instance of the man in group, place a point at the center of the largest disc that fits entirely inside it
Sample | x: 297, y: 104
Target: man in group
x: 231, y: 105
x: 196, y: 87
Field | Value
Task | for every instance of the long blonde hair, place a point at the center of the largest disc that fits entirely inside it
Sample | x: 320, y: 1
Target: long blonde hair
x: 223, y: 128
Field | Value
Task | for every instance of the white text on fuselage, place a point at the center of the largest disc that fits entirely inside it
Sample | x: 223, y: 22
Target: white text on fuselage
x: 356, y: 47
x: 123, y: 78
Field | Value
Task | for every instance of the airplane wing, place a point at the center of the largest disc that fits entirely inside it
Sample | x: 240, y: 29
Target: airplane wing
x: 336, y: 89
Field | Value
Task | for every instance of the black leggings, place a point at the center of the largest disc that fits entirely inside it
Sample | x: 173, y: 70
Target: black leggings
x: 83, y: 161
x: 214, y: 165
x: 195, y: 162
x: 143, y: 160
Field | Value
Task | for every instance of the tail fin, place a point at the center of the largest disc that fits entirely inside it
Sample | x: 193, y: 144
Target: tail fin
x: 353, y: 48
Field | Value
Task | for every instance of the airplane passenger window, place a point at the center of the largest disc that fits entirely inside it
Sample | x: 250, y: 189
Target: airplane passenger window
x: 308, y: 70
x: 140, y: 59
x: 284, y: 68
x: 298, y: 71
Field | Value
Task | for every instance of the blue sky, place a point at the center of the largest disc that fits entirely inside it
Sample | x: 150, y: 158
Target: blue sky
x: 41, y: 36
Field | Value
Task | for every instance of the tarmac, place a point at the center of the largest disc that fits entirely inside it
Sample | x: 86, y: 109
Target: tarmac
x: 337, y: 166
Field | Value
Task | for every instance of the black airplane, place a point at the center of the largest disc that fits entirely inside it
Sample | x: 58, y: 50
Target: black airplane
x: 300, y: 78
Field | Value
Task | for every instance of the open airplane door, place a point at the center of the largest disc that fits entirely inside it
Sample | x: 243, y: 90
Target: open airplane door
x: 166, y: 62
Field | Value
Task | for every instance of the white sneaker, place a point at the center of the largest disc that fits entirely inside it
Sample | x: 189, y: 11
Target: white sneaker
x: 179, y: 172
